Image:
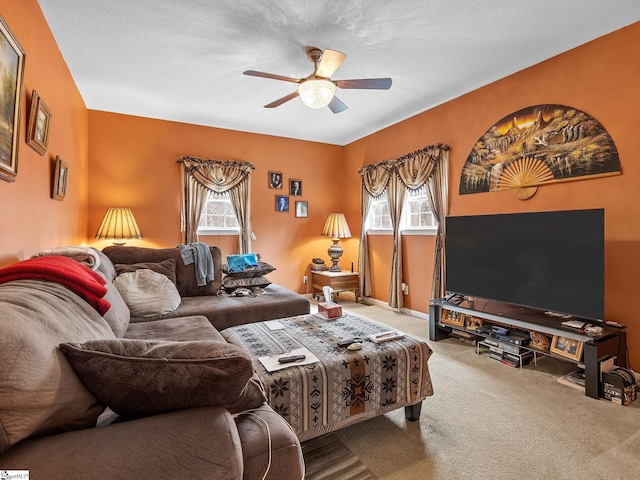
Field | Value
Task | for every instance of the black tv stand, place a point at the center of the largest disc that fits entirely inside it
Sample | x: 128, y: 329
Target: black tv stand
x: 611, y: 342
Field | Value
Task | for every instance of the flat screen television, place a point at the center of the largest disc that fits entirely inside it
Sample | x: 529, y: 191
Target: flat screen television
x: 549, y: 261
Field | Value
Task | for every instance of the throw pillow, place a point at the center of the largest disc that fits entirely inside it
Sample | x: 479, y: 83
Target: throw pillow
x: 147, y: 293
x: 230, y: 283
x: 118, y: 315
x: 140, y: 377
x: 239, y: 263
x: 166, y: 267
x: 263, y: 268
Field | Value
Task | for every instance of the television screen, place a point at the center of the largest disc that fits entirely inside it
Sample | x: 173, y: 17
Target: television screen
x: 552, y: 261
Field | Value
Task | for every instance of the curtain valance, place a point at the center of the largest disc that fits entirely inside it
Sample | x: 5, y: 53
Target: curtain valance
x: 217, y: 175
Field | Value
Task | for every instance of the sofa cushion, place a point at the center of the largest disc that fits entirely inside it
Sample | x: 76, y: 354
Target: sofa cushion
x: 138, y: 377
x: 118, y: 315
x: 147, y: 293
x: 179, y: 329
x: 39, y: 391
x: 231, y: 283
x: 185, y: 274
x: 166, y: 267
x: 263, y: 268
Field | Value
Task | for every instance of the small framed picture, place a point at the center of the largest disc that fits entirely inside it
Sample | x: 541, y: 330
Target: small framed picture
x: 540, y: 341
x: 282, y: 203
x: 39, y: 121
x: 275, y: 180
x: 473, y: 323
x: 295, y: 187
x: 566, y: 347
x: 60, y: 179
x: 453, y: 318
x: 302, y: 209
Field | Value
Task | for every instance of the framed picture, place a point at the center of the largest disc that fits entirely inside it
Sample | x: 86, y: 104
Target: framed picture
x: 473, y: 323
x: 38, y: 127
x: 453, y: 318
x: 60, y: 179
x: 12, y: 62
x: 566, y: 347
x: 295, y: 187
x: 282, y: 203
x: 275, y: 180
x: 540, y: 341
x: 302, y: 209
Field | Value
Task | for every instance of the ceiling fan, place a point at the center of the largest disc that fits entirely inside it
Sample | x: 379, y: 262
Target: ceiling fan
x: 318, y: 90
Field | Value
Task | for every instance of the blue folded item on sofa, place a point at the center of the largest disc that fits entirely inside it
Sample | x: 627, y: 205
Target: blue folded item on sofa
x: 241, y: 262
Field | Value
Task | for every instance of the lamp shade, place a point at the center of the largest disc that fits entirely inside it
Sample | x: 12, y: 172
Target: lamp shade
x: 317, y: 93
x: 119, y: 224
x: 336, y: 226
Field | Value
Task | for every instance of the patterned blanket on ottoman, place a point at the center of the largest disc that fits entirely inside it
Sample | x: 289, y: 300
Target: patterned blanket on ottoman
x: 344, y: 386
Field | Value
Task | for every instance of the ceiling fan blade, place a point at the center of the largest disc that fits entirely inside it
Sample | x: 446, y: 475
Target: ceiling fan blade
x: 336, y: 105
x: 271, y: 75
x: 329, y: 63
x: 365, y: 83
x: 282, y: 100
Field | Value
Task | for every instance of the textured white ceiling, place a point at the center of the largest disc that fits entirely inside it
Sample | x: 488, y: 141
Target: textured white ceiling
x: 183, y: 60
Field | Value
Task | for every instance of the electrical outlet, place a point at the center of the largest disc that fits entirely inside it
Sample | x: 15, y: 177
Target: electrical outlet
x: 305, y: 279
x: 405, y: 289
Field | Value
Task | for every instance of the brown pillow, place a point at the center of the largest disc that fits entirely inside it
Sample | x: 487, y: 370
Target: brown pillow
x: 231, y: 282
x: 140, y: 377
x: 263, y: 268
x: 166, y: 267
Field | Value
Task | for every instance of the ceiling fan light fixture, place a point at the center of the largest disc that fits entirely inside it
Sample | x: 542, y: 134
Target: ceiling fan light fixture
x: 317, y: 93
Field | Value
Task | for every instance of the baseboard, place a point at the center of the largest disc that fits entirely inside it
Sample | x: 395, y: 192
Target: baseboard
x: 406, y: 311
x: 416, y: 313
x: 379, y: 303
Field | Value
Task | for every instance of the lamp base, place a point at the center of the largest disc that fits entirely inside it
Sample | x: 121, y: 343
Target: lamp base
x: 335, y: 252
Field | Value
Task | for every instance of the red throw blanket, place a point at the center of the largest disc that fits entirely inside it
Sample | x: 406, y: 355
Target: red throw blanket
x: 78, y: 278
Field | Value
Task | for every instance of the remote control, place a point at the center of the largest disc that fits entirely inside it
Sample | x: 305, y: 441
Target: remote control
x: 291, y: 358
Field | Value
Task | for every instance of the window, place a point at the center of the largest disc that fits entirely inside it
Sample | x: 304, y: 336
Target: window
x: 417, y: 216
x: 379, y: 216
x: 218, y: 215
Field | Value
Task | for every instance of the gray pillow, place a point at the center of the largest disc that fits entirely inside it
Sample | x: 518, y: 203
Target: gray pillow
x: 139, y: 377
x: 147, y: 293
x: 263, y: 268
x: 166, y: 267
x: 118, y: 315
x: 231, y: 282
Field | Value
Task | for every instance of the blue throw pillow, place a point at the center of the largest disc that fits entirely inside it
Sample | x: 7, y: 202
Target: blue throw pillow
x: 240, y: 263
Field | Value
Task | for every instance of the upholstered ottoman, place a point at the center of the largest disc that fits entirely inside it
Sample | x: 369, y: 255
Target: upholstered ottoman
x: 344, y: 386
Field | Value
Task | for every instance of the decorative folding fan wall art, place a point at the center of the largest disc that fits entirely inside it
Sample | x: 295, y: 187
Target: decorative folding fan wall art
x: 536, y: 146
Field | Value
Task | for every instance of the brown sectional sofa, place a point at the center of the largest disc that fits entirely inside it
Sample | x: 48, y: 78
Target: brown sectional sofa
x: 52, y: 424
x: 222, y: 311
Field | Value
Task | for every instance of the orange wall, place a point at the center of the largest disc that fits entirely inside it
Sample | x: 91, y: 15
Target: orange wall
x: 600, y: 78
x: 133, y: 164
x: 31, y: 219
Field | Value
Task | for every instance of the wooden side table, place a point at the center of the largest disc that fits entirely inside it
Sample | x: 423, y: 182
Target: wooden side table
x: 343, y: 281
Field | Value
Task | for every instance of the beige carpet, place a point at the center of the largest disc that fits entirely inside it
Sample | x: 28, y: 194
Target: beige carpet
x: 488, y: 420
x: 327, y: 457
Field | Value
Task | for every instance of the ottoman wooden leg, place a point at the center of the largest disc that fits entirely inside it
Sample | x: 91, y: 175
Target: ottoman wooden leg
x: 412, y: 412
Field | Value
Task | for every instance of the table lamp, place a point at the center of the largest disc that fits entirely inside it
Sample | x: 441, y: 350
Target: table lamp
x: 336, y: 227
x: 120, y: 225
